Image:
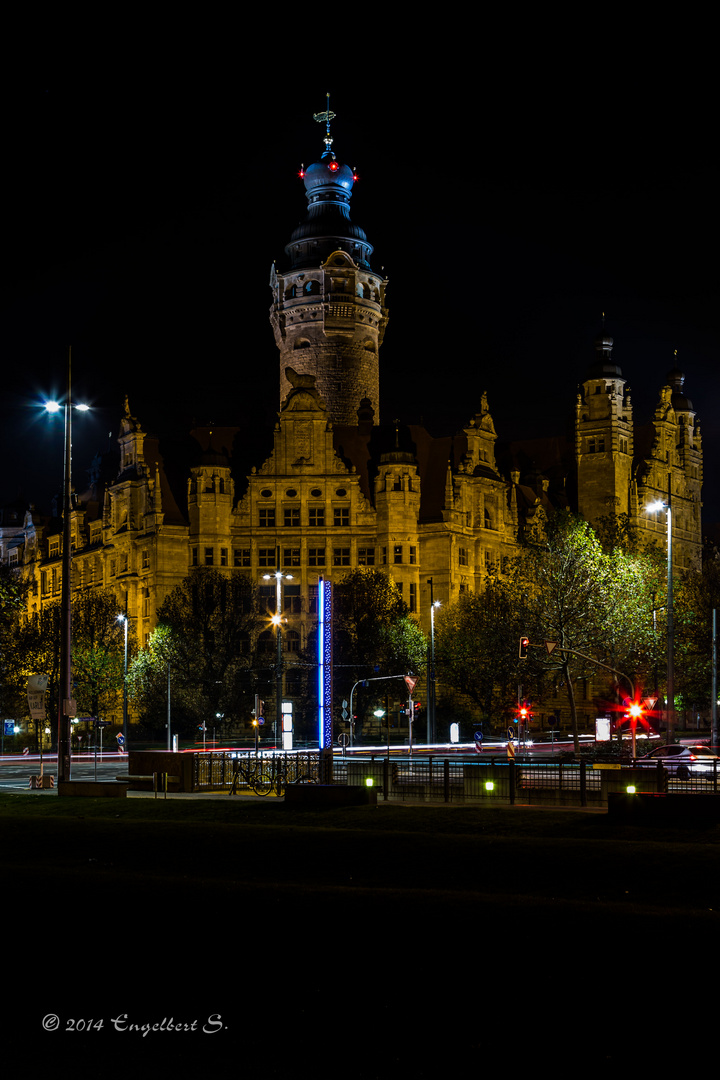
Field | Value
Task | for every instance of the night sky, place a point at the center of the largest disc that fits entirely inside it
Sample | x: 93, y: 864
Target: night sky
x: 142, y: 221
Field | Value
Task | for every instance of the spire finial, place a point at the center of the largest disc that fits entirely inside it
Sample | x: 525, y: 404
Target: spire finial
x: 325, y: 118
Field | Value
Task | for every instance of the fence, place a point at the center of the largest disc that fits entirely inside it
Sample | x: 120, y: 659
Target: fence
x: 457, y: 779
x: 214, y: 771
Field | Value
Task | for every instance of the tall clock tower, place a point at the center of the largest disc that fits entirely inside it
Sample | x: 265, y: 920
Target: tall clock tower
x: 328, y: 313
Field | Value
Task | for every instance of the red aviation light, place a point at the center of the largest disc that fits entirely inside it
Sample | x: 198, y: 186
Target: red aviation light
x: 334, y: 166
x: 301, y: 174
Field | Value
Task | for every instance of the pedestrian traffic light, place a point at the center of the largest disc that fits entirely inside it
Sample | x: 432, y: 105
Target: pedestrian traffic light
x: 524, y: 643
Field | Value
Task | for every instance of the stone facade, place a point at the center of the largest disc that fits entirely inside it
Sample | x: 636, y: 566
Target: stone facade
x: 340, y: 490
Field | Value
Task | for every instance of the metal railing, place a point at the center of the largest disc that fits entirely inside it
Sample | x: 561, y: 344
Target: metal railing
x: 453, y: 779
x: 215, y: 770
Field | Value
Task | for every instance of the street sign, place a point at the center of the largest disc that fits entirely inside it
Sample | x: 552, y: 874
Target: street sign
x: 650, y: 702
x: 550, y: 645
x: 410, y: 681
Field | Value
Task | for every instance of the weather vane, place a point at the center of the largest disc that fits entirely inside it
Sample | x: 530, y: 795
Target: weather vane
x: 325, y: 118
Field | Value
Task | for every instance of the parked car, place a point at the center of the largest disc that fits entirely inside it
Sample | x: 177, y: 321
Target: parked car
x: 682, y: 761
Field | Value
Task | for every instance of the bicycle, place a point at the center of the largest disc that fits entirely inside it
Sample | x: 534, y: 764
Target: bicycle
x: 253, y: 777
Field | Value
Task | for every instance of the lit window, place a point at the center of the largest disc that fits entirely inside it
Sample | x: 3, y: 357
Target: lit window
x: 397, y: 553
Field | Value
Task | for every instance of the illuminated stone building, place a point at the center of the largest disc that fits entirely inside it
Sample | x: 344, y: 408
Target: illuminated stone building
x: 340, y: 490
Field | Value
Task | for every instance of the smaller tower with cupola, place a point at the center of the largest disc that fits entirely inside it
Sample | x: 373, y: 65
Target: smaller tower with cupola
x: 604, y: 444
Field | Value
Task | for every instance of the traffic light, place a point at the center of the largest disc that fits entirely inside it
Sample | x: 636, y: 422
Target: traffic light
x: 524, y: 643
x: 258, y: 712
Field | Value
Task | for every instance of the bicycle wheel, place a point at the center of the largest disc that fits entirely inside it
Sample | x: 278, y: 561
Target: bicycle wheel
x: 260, y: 785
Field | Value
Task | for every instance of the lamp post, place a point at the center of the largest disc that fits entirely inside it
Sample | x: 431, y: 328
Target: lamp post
x: 276, y: 621
x: 670, y: 693
x: 124, y: 619
x: 66, y: 706
x: 431, y: 688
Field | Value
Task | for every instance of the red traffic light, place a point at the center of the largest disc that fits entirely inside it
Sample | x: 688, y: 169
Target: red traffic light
x: 524, y: 644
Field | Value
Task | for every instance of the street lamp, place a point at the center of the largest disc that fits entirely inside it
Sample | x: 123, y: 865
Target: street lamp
x: 670, y: 692
x: 66, y: 705
x: 124, y: 619
x: 276, y: 621
x: 431, y: 689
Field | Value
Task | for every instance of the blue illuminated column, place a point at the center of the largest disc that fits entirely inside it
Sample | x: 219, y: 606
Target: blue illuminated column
x: 325, y: 666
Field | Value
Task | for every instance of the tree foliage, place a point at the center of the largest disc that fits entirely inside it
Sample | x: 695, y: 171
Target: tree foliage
x: 563, y: 588
x: 373, y: 629
x: 695, y: 597
x: 589, y: 601
x: 206, y: 632
x: 476, y: 647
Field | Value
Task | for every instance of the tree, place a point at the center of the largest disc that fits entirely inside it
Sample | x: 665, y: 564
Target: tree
x: 588, y: 601
x: 207, y: 626
x: 476, y: 647
x: 374, y: 634
x: 696, y: 596
x: 98, y: 651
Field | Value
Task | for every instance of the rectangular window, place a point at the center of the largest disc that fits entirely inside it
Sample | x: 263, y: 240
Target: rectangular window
x: 366, y: 556
x: 397, y: 553
x: 313, y: 599
x: 291, y: 517
x: 341, y: 556
x: 291, y: 556
x: 316, y: 519
x: 241, y: 556
x: 208, y: 556
x: 266, y: 557
x: 292, y: 603
x: 316, y: 557
x: 145, y: 559
x: 223, y: 556
x: 267, y: 596
x: 413, y: 555
x: 267, y: 517
x: 341, y: 516
x: 462, y: 556
x: 193, y: 556
x: 413, y: 596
